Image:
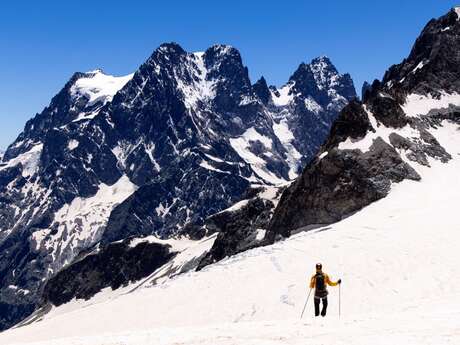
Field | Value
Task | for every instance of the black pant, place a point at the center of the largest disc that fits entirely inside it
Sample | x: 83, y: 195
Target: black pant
x: 317, y: 301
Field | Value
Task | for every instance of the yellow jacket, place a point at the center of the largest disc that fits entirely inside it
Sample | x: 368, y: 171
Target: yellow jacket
x: 327, y: 281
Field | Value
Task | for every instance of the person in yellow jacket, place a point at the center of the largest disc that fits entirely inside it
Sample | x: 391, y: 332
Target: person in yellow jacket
x: 319, y: 281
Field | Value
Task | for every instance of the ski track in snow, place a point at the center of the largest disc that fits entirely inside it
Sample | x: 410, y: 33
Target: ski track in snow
x: 398, y: 259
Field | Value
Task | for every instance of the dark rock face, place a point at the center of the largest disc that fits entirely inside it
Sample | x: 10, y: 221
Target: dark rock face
x: 11, y: 313
x: 183, y: 138
x: 340, y: 180
x: 432, y: 64
x: 353, y: 123
x: 237, y: 229
x: 364, y: 89
x: 387, y: 110
x: 113, y: 266
x: 261, y: 90
x: 337, y: 185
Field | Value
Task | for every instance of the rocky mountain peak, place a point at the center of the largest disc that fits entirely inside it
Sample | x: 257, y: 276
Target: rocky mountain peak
x: 223, y: 60
x: 364, y: 89
x: 304, y: 80
x: 261, y: 90
x: 81, y: 99
x: 321, y: 81
x: 222, y: 51
x: 231, y: 78
x: 457, y: 11
x: 170, y: 49
x: 323, y: 69
x: 432, y: 64
x: 166, y: 55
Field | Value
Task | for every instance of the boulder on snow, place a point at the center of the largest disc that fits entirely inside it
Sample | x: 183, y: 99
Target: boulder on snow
x: 238, y: 229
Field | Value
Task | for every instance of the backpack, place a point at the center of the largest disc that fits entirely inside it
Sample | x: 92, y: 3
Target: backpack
x: 320, y: 282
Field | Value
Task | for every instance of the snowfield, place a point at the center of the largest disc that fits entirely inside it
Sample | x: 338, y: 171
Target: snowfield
x: 98, y: 86
x: 398, y: 259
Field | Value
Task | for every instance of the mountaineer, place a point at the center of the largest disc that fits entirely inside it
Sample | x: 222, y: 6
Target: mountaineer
x: 319, y: 281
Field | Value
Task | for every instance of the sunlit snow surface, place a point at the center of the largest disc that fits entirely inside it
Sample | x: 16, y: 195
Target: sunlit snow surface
x: 98, y: 86
x: 421, y: 105
x: 285, y: 95
x: 398, y: 259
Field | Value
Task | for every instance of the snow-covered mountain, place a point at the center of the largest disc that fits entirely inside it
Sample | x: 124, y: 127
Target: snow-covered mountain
x: 398, y: 154
x: 388, y: 172
x: 152, y: 153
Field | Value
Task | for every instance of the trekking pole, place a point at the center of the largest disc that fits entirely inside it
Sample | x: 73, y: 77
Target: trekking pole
x: 305, y: 305
x: 339, y: 299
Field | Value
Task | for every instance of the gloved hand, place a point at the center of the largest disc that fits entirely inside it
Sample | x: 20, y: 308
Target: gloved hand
x: 339, y: 281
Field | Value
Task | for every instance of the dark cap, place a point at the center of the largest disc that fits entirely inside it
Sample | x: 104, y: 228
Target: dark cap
x: 319, y: 266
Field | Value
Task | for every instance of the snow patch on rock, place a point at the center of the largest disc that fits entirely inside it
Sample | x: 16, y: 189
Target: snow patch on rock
x: 82, y: 222
x: 29, y: 161
x: 242, y: 146
x: 200, y: 87
x: 364, y: 144
x: 285, y: 96
x: 286, y: 138
x: 98, y: 87
x: 73, y: 144
x: 207, y: 166
x: 311, y: 105
x: 416, y: 105
x: 420, y: 65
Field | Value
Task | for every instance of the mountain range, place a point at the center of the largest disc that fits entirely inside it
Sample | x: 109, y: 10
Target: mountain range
x: 160, y: 152
x: 123, y: 183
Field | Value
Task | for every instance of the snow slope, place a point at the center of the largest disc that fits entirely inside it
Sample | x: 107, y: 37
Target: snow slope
x: 398, y: 259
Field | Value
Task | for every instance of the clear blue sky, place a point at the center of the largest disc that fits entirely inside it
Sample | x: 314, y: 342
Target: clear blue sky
x: 43, y: 42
